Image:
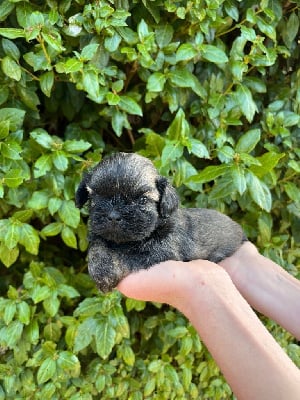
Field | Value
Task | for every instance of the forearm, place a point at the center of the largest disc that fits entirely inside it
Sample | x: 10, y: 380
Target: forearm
x: 250, y: 359
x: 266, y: 286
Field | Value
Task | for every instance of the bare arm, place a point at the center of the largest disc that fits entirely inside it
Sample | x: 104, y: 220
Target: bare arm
x: 266, y: 286
x: 253, y: 363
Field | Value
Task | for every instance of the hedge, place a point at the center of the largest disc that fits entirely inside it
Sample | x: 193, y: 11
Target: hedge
x: 207, y: 89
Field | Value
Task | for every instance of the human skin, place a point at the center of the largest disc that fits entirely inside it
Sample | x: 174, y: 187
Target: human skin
x: 253, y: 363
x: 266, y: 286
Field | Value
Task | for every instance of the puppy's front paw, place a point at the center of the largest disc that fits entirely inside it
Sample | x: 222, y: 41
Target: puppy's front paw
x: 105, y: 270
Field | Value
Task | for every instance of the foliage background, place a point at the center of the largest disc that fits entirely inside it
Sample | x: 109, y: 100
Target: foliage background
x: 210, y: 91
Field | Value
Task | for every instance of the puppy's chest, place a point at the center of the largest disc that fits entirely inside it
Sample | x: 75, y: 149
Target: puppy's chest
x: 143, y: 255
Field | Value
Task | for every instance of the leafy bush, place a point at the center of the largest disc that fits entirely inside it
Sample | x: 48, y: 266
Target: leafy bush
x: 210, y: 91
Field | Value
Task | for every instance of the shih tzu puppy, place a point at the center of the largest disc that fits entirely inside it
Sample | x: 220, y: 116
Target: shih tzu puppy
x: 135, y: 221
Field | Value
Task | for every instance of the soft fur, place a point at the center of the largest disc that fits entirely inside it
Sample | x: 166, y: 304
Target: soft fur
x: 135, y: 221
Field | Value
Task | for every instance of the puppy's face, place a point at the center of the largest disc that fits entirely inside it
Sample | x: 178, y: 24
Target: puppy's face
x: 127, y: 198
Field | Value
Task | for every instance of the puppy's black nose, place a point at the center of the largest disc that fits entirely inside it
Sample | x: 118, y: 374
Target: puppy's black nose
x: 114, y: 216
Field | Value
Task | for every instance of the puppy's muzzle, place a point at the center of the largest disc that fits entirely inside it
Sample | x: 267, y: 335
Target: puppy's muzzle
x: 114, y: 216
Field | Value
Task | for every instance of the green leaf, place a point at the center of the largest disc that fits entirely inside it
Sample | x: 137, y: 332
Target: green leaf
x: 39, y: 200
x: 4, y: 129
x: 11, y: 49
x: 29, y: 238
x: 171, y: 152
x: 84, y: 334
x: 46, y: 371
x: 11, y: 150
x: 40, y: 293
x: 42, y: 165
x: 52, y: 229
x: 88, y: 307
x: 67, y: 361
x: 238, y: 178
x: 128, y: 355
x: 69, y: 238
x: 37, y: 61
x: 105, y: 339
x: 222, y: 189
x: 179, y: 128
x: 89, y: 51
x: 8, y: 256
x: 120, y: 322
x: 12, y: 33
x: 28, y: 97
x: 213, y: 54
x: 267, y: 28
x: 290, y: 118
x: 67, y: 291
x: 245, y: 100
x: 248, y: 141
x: 182, y: 77
x: 76, y: 146
x: 292, y: 190
x: 15, y: 117
x: 156, y: 82
x: 24, y: 312
x: 9, y: 312
x: 32, y: 332
x: 4, y: 224
x: 164, y: 35
x: 91, y: 83
x: 291, y: 29
x: 210, y: 173
x: 11, y: 68
x: 23, y: 215
x: 295, y: 165
x: 12, y: 236
x: 46, y: 82
x: 197, y: 148
x: 13, y: 333
x: 36, y: 19
x: 69, y: 66
x: 185, y: 52
x: 54, y: 40
x: 119, y: 121
x: 129, y: 105
x: 149, y: 387
x: 51, y: 304
x: 112, y: 43
x: 6, y: 7
x: 178, y: 332
x: 259, y: 192
x: 265, y: 227
x: 54, y: 205
x: 142, y: 30
x: 183, y: 170
x: 42, y: 137
x: 60, y: 160
x: 112, y: 98
x: 69, y: 214
x: 23, y: 13
x: 186, y: 345
x: 268, y: 162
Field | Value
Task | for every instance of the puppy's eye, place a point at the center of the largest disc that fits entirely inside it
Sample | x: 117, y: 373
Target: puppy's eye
x: 143, y: 200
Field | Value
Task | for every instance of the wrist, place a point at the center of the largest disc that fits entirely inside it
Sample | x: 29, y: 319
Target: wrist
x: 200, y: 284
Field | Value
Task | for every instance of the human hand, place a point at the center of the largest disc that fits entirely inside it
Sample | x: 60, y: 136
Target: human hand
x: 172, y: 282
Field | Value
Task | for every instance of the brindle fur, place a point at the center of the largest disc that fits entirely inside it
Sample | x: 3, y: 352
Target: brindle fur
x: 135, y: 221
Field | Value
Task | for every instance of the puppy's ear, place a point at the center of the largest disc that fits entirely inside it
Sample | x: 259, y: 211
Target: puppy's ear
x: 83, y: 191
x: 169, y: 200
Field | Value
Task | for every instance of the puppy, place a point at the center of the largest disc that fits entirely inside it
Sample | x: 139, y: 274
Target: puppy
x: 135, y: 221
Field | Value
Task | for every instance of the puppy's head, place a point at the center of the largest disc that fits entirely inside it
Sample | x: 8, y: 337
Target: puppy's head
x: 127, y: 198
